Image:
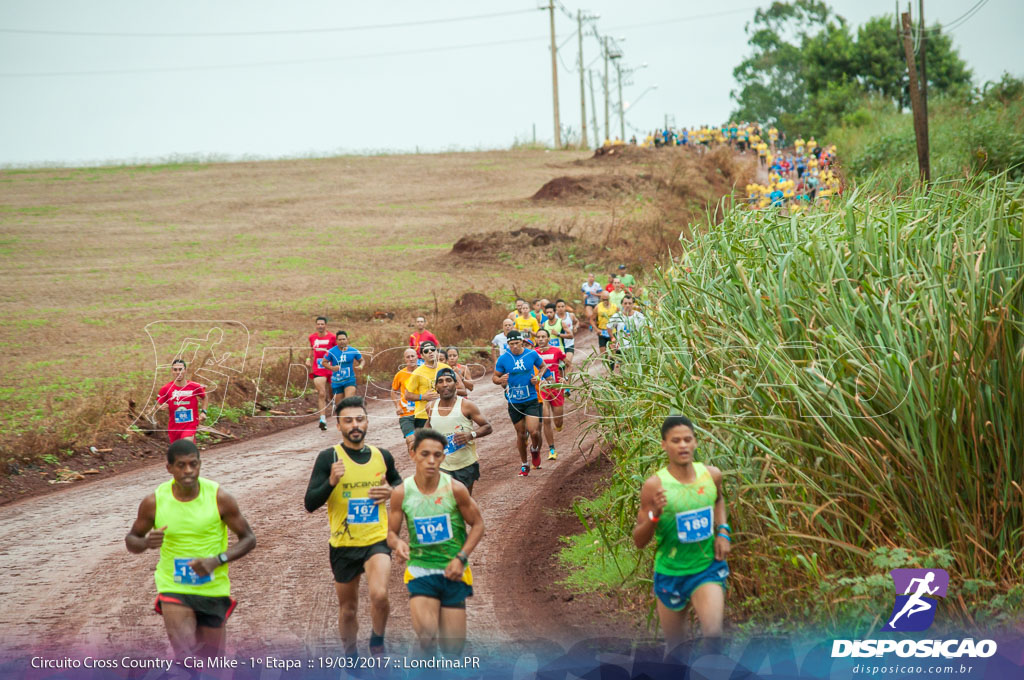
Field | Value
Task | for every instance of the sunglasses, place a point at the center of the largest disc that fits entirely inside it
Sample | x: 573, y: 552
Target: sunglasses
x: 428, y: 349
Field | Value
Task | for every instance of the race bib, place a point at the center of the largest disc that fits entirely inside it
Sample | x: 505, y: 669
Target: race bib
x: 452, y: 447
x: 344, y: 373
x: 436, y: 529
x: 694, y: 525
x: 605, y: 334
x: 363, y: 511
x: 184, y: 575
x: 411, y: 405
x: 182, y: 415
x: 519, y: 393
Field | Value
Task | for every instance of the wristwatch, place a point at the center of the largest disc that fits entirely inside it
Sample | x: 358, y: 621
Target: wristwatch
x: 222, y: 558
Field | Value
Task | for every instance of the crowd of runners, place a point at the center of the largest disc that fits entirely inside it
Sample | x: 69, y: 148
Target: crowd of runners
x: 795, y: 176
x: 534, y: 355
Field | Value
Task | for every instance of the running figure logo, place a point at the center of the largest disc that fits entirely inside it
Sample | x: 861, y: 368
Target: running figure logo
x: 914, y: 610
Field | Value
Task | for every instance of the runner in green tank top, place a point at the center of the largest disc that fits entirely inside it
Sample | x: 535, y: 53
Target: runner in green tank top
x: 683, y: 505
x: 193, y: 515
x: 436, y: 508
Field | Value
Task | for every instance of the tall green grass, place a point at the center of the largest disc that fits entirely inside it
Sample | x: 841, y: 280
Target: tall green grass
x: 859, y: 376
x: 966, y: 139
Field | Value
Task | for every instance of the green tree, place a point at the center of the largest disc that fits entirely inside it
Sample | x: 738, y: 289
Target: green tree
x: 772, y: 80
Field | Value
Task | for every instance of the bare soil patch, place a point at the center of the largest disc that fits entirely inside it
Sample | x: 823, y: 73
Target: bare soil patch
x: 595, y: 187
x: 493, y: 243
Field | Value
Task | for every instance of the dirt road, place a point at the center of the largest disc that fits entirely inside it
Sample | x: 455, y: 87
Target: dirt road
x: 70, y: 584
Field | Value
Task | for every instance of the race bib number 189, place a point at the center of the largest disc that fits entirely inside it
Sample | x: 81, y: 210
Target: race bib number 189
x: 694, y: 525
x: 182, y: 415
x: 436, y: 529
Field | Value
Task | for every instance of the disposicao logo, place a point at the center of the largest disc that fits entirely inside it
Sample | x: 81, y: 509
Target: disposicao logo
x: 913, y: 611
x: 915, y: 608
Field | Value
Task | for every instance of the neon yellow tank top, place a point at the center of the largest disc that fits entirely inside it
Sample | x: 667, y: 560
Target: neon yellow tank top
x: 194, y: 529
x: 686, y: 530
x: 356, y: 520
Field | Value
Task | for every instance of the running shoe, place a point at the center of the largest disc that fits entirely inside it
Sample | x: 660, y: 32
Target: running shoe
x: 552, y: 454
x: 323, y: 425
x: 524, y: 470
x: 535, y: 455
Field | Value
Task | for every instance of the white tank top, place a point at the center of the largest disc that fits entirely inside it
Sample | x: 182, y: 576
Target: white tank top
x: 455, y: 421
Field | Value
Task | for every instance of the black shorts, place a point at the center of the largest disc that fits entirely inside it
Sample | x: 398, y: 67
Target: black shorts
x: 347, y: 562
x: 211, y: 612
x: 466, y: 475
x: 519, y: 411
x: 407, y: 424
x: 419, y: 422
x: 603, y: 340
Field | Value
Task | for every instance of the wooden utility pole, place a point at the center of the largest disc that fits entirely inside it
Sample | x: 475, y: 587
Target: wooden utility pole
x: 923, y: 32
x: 917, y: 105
x: 554, y: 74
x: 622, y: 116
x: 593, y: 109
x: 607, y: 124
x: 583, y: 93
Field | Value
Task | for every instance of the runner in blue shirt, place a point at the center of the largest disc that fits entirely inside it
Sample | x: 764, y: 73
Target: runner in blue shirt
x: 343, y: 360
x: 591, y: 296
x: 516, y: 371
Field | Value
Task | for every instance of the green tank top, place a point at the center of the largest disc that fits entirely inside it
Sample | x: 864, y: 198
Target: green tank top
x: 194, y: 529
x: 553, y: 330
x: 686, y: 530
x: 437, y: 531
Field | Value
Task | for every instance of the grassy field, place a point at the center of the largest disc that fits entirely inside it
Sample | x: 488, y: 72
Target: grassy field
x: 89, y: 257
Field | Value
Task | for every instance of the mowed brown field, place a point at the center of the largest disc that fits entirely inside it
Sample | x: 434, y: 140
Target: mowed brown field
x: 90, y: 256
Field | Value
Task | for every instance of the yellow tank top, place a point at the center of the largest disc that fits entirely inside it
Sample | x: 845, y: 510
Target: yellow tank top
x: 356, y: 520
x: 194, y: 530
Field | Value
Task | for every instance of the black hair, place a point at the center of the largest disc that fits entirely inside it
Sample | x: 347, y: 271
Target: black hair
x: 425, y: 433
x: 182, y: 447
x: 341, y: 333
x: 675, y: 421
x: 349, y: 402
x: 550, y: 305
x: 561, y: 300
x: 544, y: 331
x: 322, y: 318
x: 179, y: 361
x: 630, y: 296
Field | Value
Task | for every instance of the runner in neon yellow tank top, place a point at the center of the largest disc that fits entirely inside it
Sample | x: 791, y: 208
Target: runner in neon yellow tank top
x: 436, y: 509
x: 684, y: 507
x: 187, y: 520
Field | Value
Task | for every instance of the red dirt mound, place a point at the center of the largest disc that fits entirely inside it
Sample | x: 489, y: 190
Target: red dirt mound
x: 494, y: 242
x: 472, y: 302
x: 593, y: 187
x: 624, y: 153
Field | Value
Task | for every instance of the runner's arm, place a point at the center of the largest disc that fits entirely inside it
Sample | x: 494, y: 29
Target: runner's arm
x: 460, y: 388
x: 319, y: 489
x: 136, y: 541
x: 722, y: 544
x: 652, y: 502
x: 205, y: 397
x: 472, y: 411
x: 391, y: 474
x: 395, y: 517
x: 471, y: 515
x: 232, y: 516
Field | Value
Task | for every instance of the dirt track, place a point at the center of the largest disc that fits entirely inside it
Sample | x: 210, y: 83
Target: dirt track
x: 70, y: 584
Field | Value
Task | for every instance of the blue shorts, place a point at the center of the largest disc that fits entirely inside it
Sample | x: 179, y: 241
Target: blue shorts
x: 451, y: 593
x: 675, y: 591
x: 340, y: 388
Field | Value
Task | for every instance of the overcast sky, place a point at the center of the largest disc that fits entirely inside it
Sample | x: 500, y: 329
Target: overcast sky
x: 144, y: 86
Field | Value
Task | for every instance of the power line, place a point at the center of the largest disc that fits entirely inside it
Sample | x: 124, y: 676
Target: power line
x: 960, y: 20
x: 287, y: 62
x: 225, y: 34
x: 677, y: 20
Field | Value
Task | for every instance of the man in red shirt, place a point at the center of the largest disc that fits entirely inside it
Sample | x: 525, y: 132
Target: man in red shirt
x: 182, y: 398
x: 554, y: 399
x: 319, y: 343
x: 422, y: 335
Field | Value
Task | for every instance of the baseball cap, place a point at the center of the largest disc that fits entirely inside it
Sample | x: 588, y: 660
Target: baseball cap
x: 448, y: 372
x: 514, y: 335
x: 622, y: 266
x: 427, y: 343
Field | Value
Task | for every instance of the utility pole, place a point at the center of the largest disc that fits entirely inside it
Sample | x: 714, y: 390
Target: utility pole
x: 917, y: 105
x: 583, y: 93
x: 593, y: 109
x: 923, y: 32
x: 554, y: 74
x: 622, y: 118
x: 607, y: 123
